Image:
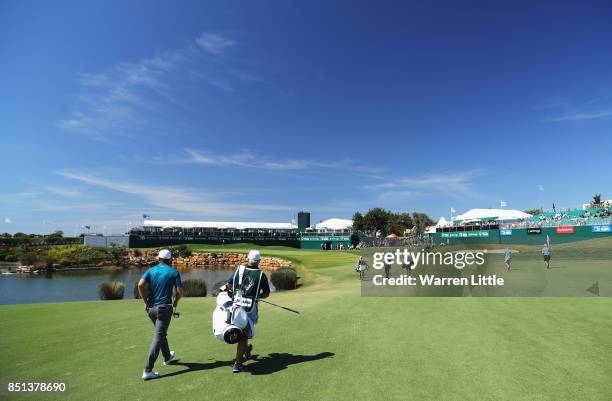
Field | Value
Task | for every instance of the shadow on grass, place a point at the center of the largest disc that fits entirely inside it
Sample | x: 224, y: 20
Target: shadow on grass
x: 266, y: 365
x: 196, y: 366
x: 276, y: 362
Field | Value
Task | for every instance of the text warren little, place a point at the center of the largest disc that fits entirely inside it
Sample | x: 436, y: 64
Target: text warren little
x: 431, y: 280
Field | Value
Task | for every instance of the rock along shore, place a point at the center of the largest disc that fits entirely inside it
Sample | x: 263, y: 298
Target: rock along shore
x: 229, y: 260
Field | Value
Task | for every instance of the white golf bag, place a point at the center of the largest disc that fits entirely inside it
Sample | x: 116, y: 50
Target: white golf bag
x: 228, y: 320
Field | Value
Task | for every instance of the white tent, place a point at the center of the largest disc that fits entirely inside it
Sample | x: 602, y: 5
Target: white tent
x: 335, y: 224
x: 442, y: 222
x: 492, y: 214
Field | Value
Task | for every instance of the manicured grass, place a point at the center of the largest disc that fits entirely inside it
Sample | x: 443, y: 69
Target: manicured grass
x: 341, y: 346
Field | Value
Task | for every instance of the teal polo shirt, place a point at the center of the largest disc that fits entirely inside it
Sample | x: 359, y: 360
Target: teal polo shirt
x: 162, y: 278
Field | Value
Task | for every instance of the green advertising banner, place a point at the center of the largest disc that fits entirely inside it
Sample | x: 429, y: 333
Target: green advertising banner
x: 325, y: 238
x: 466, y: 234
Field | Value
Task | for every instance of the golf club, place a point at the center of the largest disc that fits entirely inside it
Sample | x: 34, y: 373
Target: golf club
x: 282, y: 307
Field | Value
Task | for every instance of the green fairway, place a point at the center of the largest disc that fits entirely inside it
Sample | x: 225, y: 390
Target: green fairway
x: 341, y: 346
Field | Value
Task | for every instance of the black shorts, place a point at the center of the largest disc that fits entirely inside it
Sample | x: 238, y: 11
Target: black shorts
x: 546, y: 258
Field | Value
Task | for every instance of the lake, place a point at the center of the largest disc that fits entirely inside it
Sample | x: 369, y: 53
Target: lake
x: 83, y: 285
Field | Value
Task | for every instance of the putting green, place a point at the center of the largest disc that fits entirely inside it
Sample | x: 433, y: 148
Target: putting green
x: 341, y: 346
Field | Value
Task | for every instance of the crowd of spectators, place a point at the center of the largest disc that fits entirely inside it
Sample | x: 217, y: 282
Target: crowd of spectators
x: 212, y: 232
x: 570, y: 217
x: 411, y: 241
x: 469, y: 226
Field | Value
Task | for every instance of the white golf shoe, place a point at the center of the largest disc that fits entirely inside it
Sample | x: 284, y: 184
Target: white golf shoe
x: 172, y: 358
x: 150, y: 375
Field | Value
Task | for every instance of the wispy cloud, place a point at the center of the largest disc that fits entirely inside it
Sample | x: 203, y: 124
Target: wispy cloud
x: 186, y: 200
x: 250, y: 159
x: 114, y: 100
x: 246, y: 76
x: 397, y: 196
x: 214, y: 43
x: 7, y: 220
x: 55, y: 206
x: 127, y: 96
x: 582, y: 116
x: 590, y: 105
x: 456, y: 184
x: 64, y: 192
x: 540, y: 188
x: 24, y: 196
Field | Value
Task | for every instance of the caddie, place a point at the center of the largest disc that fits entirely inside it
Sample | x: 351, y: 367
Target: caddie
x: 248, y: 284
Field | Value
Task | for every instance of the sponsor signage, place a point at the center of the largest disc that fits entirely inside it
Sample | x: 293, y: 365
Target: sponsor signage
x: 505, y: 232
x: 466, y: 234
x: 531, y: 231
x: 325, y: 238
x: 211, y: 238
x: 565, y: 229
x: 602, y: 228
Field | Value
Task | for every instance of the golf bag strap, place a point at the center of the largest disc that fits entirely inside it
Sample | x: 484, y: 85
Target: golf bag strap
x: 258, y: 285
x: 240, y: 273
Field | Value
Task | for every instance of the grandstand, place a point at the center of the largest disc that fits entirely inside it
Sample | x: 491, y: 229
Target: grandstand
x: 328, y: 234
x: 497, y: 215
x: 511, y: 226
x: 571, y: 217
x: 171, y: 232
x: 332, y: 234
x: 481, y: 219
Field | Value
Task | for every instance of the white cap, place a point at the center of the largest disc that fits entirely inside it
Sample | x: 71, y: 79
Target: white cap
x: 164, y: 254
x: 254, y: 255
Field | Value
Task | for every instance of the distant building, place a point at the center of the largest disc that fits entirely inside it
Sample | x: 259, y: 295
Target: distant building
x: 105, y: 241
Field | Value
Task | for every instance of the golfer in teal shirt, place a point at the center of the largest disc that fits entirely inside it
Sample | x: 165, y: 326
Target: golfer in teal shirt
x: 162, y: 279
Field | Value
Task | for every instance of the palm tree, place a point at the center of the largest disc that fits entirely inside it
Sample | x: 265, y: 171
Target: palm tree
x: 596, y: 199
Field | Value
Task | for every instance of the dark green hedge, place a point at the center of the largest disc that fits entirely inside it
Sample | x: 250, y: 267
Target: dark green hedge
x: 284, y: 279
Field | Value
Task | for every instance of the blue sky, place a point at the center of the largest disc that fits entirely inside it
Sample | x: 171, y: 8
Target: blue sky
x: 256, y: 110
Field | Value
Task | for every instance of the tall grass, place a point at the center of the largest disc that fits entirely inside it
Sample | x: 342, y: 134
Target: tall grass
x: 194, y: 288
x: 110, y: 290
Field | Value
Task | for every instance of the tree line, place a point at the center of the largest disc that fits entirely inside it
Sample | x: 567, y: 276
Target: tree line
x: 388, y: 222
x: 63, y: 255
x: 22, y: 239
